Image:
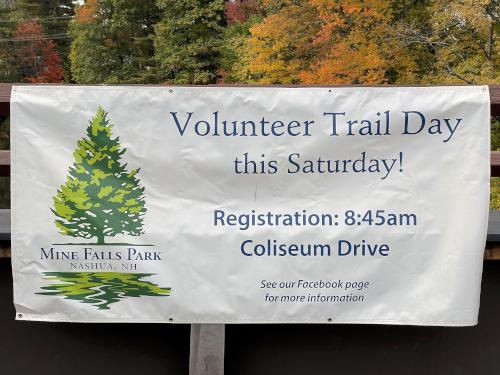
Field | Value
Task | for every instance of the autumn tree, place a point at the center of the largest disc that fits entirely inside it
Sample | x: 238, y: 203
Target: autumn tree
x: 356, y: 44
x: 460, y: 38
x: 280, y: 46
x: 188, y: 40
x: 53, y: 17
x: 241, y: 16
x: 37, y: 55
x: 239, y: 11
x: 113, y: 41
x: 15, y: 15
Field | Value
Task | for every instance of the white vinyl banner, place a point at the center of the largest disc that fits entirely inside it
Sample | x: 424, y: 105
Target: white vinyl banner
x: 249, y: 204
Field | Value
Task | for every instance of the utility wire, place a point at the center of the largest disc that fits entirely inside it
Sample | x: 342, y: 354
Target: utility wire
x: 36, y: 18
x: 26, y: 57
x: 30, y: 38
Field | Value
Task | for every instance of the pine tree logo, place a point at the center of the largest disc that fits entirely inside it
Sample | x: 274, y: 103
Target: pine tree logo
x: 100, y: 198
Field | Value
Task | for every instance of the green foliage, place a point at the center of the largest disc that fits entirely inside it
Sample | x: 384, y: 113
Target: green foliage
x: 5, y: 133
x: 188, y: 40
x: 9, y: 67
x: 495, y: 193
x: 100, y: 197
x: 4, y: 192
x: 233, y: 48
x: 112, y: 42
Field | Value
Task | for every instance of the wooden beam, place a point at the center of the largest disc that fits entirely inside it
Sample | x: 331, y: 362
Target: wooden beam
x: 495, y: 100
x: 4, y: 163
x: 492, y: 251
x: 5, y: 252
x: 495, y: 164
x: 5, y: 89
x: 494, y: 227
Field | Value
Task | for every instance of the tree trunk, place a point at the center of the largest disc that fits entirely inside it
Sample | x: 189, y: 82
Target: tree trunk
x: 100, y: 239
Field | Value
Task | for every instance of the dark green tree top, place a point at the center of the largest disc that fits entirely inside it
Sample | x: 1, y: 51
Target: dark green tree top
x: 188, y: 40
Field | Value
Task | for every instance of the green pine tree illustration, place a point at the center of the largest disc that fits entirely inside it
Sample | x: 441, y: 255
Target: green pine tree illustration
x: 100, y: 197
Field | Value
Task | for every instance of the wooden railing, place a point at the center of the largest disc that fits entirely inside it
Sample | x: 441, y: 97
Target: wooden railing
x: 492, y: 250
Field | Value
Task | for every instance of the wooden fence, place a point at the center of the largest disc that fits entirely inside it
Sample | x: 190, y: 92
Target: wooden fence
x: 207, y: 340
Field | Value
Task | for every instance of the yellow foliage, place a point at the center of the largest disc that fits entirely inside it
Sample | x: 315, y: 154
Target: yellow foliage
x: 281, y: 45
x: 462, y: 37
x: 495, y: 193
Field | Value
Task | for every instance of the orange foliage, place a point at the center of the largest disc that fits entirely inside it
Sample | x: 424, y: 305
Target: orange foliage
x: 326, y: 42
x: 342, y: 16
x: 344, y: 65
x: 86, y: 12
x: 354, y: 42
x: 37, y: 55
